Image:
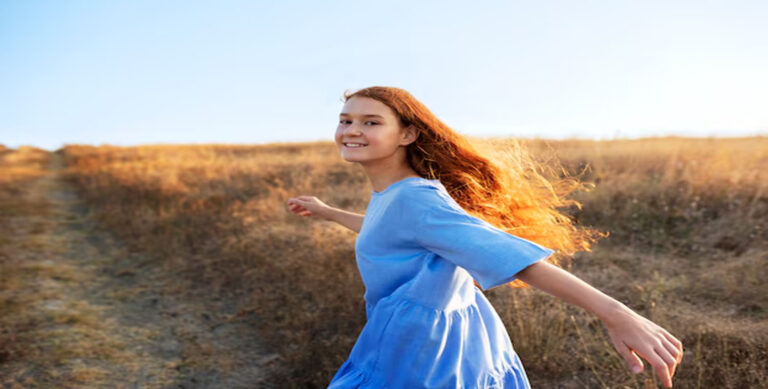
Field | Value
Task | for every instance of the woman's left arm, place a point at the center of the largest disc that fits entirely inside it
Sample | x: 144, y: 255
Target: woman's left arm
x: 630, y: 332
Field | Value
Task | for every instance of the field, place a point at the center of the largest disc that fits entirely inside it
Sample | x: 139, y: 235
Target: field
x: 687, y: 247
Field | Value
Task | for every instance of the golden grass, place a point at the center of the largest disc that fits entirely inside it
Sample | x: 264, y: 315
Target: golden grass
x: 687, y: 249
x: 49, y: 337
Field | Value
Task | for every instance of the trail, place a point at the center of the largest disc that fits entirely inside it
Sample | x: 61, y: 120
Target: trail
x: 91, y: 314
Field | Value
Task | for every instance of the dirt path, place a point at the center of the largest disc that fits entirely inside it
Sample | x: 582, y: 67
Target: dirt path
x: 84, y: 312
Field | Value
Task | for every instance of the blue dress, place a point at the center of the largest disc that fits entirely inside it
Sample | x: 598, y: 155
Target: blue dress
x: 428, y: 326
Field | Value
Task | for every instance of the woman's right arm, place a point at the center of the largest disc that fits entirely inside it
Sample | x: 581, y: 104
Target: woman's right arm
x: 631, y: 334
x: 312, y: 206
x: 351, y: 220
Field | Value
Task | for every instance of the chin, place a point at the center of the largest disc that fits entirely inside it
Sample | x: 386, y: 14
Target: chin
x: 350, y: 159
x: 354, y: 158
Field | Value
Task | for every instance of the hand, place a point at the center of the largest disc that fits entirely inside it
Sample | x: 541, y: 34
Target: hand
x: 308, y: 206
x: 634, y: 335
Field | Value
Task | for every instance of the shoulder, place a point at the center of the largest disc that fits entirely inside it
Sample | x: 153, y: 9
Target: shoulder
x: 422, y: 197
x: 419, y: 192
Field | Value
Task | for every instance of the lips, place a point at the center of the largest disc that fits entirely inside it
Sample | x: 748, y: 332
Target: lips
x: 354, y: 145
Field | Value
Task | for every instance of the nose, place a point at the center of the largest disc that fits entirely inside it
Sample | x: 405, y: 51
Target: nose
x: 352, y: 130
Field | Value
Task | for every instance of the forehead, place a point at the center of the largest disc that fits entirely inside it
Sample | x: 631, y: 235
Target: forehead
x: 364, y: 106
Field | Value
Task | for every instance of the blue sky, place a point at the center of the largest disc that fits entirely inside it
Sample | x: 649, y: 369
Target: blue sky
x: 134, y: 72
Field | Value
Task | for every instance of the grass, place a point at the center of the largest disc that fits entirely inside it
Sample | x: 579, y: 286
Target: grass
x: 49, y: 336
x: 687, y: 249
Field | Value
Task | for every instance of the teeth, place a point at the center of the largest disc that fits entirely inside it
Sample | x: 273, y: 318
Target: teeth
x: 354, y: 145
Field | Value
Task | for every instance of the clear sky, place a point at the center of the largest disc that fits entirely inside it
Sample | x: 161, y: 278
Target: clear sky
x: 133, y: 72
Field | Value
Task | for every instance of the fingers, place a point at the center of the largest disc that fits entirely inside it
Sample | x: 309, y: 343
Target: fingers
x: 670, y: 360
x: 674, y: 346
x: 297, y: 209
x: 675, y: 351
x: 632, y: 359
x: 304, y: 199
x: 677, y: 343
x: 672, y: 350
x: 647, y: 340
x: 301, y: 211
x: 659, y: 363
x: 662, y: 371
x: 662, y: 361
x: 297, y: 201
x: 660, y: 367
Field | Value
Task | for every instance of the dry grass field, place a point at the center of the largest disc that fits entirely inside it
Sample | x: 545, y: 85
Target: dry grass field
x: 688, y: 248
x: 80, y: 310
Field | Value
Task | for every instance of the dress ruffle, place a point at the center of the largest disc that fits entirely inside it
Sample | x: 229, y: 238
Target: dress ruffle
x: 349, y: 376
x: 406, y: 344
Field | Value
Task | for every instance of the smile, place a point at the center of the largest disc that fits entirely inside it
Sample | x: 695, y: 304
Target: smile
x: 354, y: 145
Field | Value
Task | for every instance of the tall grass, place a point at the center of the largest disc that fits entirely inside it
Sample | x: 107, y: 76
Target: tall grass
x: 687, y: 249
x: 18, y: 168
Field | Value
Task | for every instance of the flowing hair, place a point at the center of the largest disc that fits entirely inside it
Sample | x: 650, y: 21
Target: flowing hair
x: 502, y: 184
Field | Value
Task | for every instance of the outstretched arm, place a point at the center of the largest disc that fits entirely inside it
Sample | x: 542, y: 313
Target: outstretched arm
x: 312, y: 206
x: 351, y: 220
x: 631, y: 333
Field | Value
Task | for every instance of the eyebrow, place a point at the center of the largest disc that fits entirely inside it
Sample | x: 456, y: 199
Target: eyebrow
x: 366, y: 115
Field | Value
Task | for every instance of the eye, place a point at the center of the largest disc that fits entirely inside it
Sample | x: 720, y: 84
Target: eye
x: 343, y: 121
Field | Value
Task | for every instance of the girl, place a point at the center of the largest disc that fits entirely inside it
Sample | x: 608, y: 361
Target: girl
x: 421, y: 253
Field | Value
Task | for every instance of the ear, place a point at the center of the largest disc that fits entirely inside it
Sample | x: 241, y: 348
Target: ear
x: 410, y: 134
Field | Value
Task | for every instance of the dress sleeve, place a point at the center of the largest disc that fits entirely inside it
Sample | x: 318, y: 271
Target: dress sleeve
x: 491, y: 256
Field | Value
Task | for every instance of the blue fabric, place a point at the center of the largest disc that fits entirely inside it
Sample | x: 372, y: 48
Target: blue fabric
x: 428, y: 326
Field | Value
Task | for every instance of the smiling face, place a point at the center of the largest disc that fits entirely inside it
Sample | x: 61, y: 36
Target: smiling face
x: 370, y: 131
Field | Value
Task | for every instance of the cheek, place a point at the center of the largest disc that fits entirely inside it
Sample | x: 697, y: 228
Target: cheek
x: 382, y: 140
x: 376, y: 138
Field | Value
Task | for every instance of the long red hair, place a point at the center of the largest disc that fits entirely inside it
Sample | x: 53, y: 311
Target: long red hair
x: 502, y: 185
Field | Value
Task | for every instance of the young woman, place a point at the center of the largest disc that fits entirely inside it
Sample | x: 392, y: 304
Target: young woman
x: 421, y: 254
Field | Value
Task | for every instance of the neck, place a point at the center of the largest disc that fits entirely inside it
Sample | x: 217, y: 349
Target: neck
x: 383, y: 175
